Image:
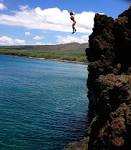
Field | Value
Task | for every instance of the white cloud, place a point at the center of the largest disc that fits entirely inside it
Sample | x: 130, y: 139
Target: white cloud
x: 23, y: 7
x: 39, y: 43
x: 70, y: 39
x: 38, y: 38
x: 48, y: 19
x: 42, y: 43
x: 5, y: 40
x: 2, y: 6
x: 27, y: 33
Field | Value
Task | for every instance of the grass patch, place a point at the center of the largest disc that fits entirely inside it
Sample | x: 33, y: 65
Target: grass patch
x: 78, y: 56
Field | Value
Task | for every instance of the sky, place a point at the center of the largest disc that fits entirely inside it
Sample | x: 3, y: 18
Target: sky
x: 45, y: 22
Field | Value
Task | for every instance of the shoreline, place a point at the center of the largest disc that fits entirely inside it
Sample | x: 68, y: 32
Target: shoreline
x: 53, y: 59
x: 60, y: 60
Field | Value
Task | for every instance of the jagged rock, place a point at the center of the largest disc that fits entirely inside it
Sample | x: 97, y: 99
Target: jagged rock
x: 81, y: 145
x: 113, y: 112
x: 109, y: 83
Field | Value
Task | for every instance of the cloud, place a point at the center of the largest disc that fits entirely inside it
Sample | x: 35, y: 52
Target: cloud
x: 38, y: 38
x: 70, y: 39
x: 23, y: 7
x: 39, y: 43
x: 42, y: 43
x: 2, y: 6
x: 5, y: 40
x: 52, y: 19
x: 27, y: 33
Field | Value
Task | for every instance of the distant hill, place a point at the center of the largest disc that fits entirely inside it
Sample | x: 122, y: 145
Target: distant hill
x: 60, y: 47
x: 70, y: 52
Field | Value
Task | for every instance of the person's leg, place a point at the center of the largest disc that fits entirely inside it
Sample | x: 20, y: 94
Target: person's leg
x: 73, y: 27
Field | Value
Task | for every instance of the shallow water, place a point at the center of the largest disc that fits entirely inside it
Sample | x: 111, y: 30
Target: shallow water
x: 43, y: 104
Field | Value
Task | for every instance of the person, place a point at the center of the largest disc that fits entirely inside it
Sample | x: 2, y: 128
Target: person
x: 72, y: 17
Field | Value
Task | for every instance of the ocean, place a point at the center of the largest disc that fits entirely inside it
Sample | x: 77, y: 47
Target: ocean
x: 43, y: 103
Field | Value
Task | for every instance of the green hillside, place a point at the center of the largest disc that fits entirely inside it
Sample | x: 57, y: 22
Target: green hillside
x: 70, y: 52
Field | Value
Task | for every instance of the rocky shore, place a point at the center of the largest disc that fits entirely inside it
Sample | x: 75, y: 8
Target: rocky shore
x: 109, y: 85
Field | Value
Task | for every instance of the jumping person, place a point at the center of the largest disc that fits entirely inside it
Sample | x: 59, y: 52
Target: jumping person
x: 72, y: 17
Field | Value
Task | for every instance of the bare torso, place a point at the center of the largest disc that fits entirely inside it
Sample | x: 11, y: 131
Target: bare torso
x: 72, y: 18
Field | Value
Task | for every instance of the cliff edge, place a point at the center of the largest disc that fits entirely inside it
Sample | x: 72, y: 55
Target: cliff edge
x: 109, y: 85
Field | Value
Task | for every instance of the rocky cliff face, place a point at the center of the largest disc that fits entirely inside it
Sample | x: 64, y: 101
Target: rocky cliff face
x: 109, y: 84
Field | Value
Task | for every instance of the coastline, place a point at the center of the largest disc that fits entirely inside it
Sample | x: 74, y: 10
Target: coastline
x: 53, y: 59
x: 60, y: 60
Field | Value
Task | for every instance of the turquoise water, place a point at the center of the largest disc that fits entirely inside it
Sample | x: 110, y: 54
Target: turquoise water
x: 43, y: 104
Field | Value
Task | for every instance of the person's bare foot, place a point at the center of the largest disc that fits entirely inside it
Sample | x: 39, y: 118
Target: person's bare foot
x: 74, y: 31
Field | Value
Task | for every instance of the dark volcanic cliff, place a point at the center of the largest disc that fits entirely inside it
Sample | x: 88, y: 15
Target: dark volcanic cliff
x: 109, y: 85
